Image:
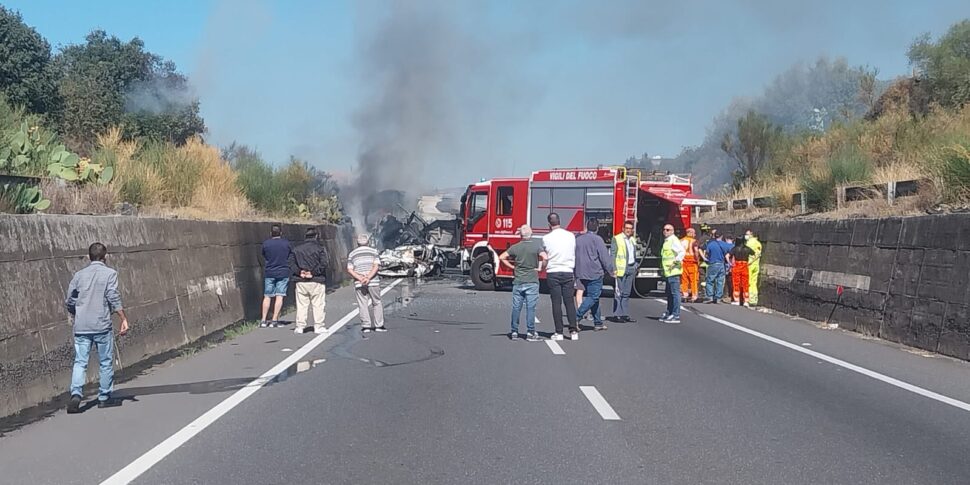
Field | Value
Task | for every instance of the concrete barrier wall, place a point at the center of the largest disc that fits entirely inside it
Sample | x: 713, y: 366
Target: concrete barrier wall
x: 905, y: 279
x: 180, y: 280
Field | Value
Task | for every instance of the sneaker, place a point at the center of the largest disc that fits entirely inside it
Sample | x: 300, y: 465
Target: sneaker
x: 367, y: 330
x: 299, y: 330
x: 380, y: 329
x: 629, y: 320
x: 74, y: 406
x: 573, y: 335
x: 557, y: 336
x: 597, y: 328
x: 513, y: 336
x: 263, y: 324
x: 663, y: 317
x: 319, y: 329
x: 108, y: 403
x: 736, y: 303
x: 274, y: 324
x: 672, y: 320
x: 532, y: 337
x: 746, y: 305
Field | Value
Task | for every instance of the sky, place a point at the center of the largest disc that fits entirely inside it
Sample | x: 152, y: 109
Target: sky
x: 443, y: 93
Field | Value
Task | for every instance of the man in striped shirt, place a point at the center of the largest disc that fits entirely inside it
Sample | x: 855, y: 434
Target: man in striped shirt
x: 362, y: 264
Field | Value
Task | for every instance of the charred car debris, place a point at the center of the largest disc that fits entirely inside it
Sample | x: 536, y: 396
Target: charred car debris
x: 422, y: 243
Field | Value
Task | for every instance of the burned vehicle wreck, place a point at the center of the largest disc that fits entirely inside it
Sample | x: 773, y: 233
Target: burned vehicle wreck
x: 424, y: 243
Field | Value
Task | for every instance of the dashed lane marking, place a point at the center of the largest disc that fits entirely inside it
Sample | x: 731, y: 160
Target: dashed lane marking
x: 172, y: 443
x: 555, y: 348
x: 599, y: 403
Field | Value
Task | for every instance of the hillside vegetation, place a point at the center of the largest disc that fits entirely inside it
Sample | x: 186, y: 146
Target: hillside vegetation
x: 110, y: 127
x: 917, y: 128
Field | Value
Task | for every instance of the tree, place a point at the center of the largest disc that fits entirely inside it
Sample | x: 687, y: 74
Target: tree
x: 945, y: 64
x: 869, y: 88
x: 106, y: 82
x: 753, y: 144
x: 26, y: 75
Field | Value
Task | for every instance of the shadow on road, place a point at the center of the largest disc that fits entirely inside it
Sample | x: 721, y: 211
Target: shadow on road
x: 201, y: 387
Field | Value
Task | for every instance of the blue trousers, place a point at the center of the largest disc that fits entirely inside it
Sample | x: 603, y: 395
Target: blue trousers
x: 715, y: 281
x: 672, y: 289
x: 591, y: 300
x: 527, y: 293
x: 621, y: 292
x: 82, y: 352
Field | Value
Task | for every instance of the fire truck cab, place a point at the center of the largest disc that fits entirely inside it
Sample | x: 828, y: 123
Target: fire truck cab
x: 493, y: 210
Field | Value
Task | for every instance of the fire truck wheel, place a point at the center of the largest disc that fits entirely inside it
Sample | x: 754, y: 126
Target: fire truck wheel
x: 643, y: 287
x: 483, y: 272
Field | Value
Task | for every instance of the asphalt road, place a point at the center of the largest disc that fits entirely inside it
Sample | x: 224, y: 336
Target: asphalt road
x: 445, y: 397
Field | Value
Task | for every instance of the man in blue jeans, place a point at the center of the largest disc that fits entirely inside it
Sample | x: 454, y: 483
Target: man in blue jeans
x: 715, y: 253
x: 593, y: 261
x: 276, y: 274
x: 525, y: 259
x: 672, y: 262
x: 91, y: 298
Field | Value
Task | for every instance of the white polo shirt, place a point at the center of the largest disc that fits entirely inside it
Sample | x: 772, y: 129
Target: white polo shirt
x: 560, y: 246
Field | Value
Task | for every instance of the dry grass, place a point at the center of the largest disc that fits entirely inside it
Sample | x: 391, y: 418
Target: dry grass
x: 78, y: 199
x: 217, y: 194
x: 783, y: 189
x: 191, y: 181
x: 897, y: 171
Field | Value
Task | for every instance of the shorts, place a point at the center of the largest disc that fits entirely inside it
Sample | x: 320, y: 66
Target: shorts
x: 275, y: 286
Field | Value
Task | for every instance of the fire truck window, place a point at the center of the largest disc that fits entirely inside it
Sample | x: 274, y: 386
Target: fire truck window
x: 568, y: 199
x: 478, y: 205
x: 541, y: 206
x: 599, y: 199
x: 504, y: 203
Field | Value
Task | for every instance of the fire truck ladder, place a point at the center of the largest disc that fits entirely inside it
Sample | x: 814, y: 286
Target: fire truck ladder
x: 632, y: 201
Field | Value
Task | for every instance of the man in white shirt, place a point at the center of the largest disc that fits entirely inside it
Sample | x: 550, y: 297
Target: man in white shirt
x: 560, y: 247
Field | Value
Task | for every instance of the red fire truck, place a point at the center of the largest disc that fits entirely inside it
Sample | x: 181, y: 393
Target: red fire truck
x: 493, y: 210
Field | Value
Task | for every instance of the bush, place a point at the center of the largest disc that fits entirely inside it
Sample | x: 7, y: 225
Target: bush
x: 849, y: 165
x: 954, y: 166
x: 819, y: 189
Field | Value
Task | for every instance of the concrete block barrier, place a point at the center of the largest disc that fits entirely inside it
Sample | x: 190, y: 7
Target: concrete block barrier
x: 180, y: 280
x: 903, y: 279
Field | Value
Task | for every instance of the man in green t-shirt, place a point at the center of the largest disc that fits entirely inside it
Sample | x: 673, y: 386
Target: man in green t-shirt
x: 525, y: 258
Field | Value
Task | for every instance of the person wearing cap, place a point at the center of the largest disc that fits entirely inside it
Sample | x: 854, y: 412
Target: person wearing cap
x: 308, y: 264
x: 362, y: 265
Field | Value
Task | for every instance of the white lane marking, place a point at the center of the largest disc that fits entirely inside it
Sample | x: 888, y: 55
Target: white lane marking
x: 599, y: 402
x: 555, y: 348
x: 165, y: 448
x: 841, y: 363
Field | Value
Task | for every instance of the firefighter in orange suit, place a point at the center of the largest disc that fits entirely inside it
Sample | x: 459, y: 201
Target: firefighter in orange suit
x: 689, y: 278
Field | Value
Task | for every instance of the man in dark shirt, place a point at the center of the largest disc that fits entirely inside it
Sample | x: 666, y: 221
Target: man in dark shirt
x: 308, y: 264
x: 738, y: 260
x: 276, y: 274
x: 525, y: 258
x: 715, y: 253
x: 593, y: 261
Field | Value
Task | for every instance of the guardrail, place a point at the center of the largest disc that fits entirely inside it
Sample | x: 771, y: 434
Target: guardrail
x: 844, y: 196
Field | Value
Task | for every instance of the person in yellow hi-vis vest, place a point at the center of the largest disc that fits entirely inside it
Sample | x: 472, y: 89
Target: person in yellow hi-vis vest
x: 754, y: 266
x: 624, y: 251
x: 671, y: 261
